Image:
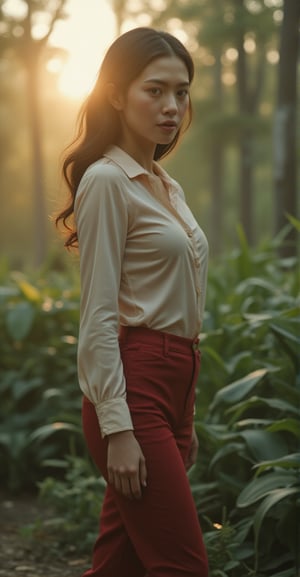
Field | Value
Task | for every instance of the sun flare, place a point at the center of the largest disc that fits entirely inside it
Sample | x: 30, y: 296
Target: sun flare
x: 85, y: 35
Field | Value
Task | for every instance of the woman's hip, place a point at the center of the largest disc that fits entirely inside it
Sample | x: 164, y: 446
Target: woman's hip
x: 161, y: 371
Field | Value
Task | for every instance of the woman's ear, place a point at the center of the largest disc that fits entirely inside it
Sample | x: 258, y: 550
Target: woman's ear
x: 114, y: 96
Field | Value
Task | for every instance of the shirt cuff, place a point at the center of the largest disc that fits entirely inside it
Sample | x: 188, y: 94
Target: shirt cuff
x: 114, y: 416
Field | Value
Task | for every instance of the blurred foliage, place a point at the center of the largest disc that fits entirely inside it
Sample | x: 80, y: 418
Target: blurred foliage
x: 38, y: 374
x: 246, y: 480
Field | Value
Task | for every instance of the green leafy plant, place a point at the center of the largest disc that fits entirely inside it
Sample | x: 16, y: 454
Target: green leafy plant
x: 40, y: 400
x: 248, y: 407
x: 76, y: 500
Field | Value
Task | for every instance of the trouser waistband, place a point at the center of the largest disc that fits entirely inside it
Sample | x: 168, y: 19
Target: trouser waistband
x: 167, y: 341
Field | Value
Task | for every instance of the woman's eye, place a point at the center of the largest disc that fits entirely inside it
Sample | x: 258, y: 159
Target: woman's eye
x: 182, y: 93
x: 154, y: 91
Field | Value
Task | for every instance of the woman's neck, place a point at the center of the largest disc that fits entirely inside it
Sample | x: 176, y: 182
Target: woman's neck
x: 142, y: 154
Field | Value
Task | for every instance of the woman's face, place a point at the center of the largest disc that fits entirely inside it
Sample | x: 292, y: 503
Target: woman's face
x: 156, y: 103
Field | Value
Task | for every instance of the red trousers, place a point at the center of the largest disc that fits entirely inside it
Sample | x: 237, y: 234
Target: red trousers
x: 158, y: 535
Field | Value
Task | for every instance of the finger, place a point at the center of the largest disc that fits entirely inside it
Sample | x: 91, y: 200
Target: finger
x: 192, y: 458
x: 126, y: 487
x: 143, y: 472
x: 135, y: 485
x: 117, y: 482
x: 110, y: 476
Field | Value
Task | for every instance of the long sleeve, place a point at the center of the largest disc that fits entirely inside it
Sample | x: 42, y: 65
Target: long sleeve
x: 101, y: 214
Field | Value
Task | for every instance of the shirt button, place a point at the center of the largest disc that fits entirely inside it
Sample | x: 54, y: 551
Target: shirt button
x: 190, y: 234
x: 197, y: 262
x: 198, y: 290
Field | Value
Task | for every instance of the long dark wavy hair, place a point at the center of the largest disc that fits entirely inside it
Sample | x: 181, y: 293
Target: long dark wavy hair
x: 98, y: 124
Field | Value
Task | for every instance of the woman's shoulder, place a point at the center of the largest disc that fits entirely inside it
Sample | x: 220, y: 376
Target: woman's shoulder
x: 102, y: 178
x: 102, y: 182
x: 104, y: 169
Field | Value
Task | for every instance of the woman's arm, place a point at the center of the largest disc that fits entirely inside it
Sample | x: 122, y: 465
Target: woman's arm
x: 101, y: 215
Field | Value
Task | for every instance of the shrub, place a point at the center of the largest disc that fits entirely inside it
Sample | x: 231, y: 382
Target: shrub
x: 40, y: 401
x: 248, y: 406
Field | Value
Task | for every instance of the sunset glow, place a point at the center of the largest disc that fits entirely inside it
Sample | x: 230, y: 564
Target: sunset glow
x: 85, y: 35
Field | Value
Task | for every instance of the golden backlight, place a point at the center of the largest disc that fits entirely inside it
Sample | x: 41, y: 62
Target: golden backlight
x: 85, y: 35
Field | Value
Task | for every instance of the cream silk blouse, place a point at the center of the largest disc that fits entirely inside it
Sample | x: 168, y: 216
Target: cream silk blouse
x: 141, y: 264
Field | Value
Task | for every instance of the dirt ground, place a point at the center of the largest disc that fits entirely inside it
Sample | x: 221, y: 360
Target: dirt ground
x: 21, y: 555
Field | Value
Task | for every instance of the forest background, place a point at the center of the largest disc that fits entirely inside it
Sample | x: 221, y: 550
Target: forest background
x: 239, y: 167
x: 237, y: 163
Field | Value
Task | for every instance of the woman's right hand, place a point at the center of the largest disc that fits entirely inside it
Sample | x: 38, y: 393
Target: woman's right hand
x: 126, y: 464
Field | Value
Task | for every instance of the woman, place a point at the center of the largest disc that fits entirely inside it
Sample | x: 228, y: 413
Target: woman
x: 143, y: 266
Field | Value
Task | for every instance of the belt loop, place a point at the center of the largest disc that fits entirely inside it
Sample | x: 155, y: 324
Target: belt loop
x: 166, y: 345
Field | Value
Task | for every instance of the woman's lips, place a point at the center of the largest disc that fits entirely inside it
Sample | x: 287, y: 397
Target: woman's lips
x: 168, y: 126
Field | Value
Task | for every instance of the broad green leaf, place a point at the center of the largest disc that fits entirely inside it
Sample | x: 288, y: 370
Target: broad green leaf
x: 15, y: 444
x: 19, y: 320
x: 231, y: 481
x: 268, y: 503
x: 56, y: 463
x: 215, y: 432
x: 294, y: 221
x: 286, y: 573
x: 290, y: 425
x: 254, y: 283
x: 257, y: 317
x: 244, y: 551
x: 288, y: 462
x: 246, y: 423
x: 242, y: 531
x: 287, y: 328
x: 293, y: 313
x: 260, y: 487
x: 45, y: 431
x: 231, y: 565
x: 29, y: 291
x: 22, y: 387
x: 239, y: 389
x: 281, y: 406
x: 237, y: 359
x: 264, y: 445
x: 226, y: 450
x: 204, y: 487
x: 214, y: 356
x: 214, y: 366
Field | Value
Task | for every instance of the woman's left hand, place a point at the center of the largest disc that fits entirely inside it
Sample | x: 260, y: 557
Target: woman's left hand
x: 192, y: 455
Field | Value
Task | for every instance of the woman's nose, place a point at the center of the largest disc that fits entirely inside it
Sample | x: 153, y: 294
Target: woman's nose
x: 170, y: 104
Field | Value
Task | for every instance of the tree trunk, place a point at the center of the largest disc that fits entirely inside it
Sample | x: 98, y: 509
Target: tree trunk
x: 246, y: 144
x: 285, y: 170
x: 217, y: 166
x: 39, y: 204
x: 246, y: 183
